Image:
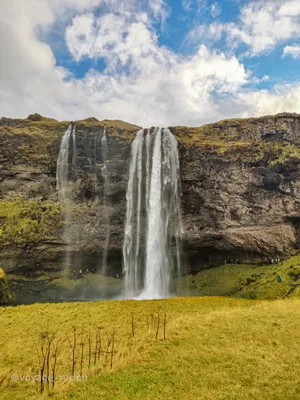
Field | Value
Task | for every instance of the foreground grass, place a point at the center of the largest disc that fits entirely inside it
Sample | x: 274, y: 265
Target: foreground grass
x: 216, y: 348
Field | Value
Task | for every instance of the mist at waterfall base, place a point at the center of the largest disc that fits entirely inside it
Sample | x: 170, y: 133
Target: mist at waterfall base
x: 152, y: 232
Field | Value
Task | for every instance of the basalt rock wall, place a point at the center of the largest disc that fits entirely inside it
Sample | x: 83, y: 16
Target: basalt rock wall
x: 240, y: 185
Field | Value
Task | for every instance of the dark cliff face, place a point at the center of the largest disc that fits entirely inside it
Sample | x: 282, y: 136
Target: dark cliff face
x: 241, y: 189
x: 240, y: 185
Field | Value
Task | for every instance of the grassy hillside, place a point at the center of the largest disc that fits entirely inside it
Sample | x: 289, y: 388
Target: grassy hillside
x: 247, y: 281
x: 215, y: 348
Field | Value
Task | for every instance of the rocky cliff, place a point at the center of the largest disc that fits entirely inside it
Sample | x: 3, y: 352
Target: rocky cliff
x: 240, y: 184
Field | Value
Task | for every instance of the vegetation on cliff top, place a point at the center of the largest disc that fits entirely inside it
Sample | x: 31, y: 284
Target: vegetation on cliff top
x: 215, y: 349
x: 29, y: 141
x: 33, y: 140
x: 117, y: 124
x: 28, y: 221
x: 241, y: 139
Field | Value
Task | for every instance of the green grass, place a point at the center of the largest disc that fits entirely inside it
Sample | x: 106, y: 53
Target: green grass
x: 216, y: 348
x: 246, y: 281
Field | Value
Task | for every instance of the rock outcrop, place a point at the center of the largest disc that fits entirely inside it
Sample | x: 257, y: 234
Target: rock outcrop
x: 240, y: 185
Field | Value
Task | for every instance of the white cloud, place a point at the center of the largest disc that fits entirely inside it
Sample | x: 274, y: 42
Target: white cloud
x: 281, y: 99
x: 186, y: 4
x: 256, y: 80
x: 292, y: 51
x: 200, y: 5
x: 143, y: 82
x: 160, y: 10
x: 205, y: 33
x: 215, y: 10
x: 170, y: 87
x: 262, y: 25
x: 290, y: 8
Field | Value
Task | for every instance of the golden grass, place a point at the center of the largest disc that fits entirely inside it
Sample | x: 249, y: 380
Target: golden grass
x: 4, y: 291
x: 2, y: 274
x: 216, y: 348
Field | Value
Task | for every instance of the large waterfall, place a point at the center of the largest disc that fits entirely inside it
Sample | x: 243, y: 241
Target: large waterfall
x: 151, y: 247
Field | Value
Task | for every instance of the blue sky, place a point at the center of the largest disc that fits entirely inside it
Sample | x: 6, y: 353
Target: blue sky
x: 150, y: 62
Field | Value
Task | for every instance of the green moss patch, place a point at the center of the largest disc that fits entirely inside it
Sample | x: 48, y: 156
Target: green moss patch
x: 28, y: 221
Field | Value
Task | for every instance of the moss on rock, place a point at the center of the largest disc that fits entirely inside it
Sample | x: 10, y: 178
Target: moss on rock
x: 28, y: 221
x: 4, y: 290
x: 271, y: 139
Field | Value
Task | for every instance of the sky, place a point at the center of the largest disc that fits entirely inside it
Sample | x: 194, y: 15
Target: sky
x: 149, y: 62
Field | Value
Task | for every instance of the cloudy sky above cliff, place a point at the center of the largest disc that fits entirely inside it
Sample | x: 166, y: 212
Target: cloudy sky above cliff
x: 150, y: 62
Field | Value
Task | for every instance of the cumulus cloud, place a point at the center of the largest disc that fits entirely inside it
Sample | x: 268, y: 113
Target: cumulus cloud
x: 166, y: 85
x: 292, y: 51
x: 281, y: 98
x: 264, y: 24
x: 261, y: 26
x: 142, y: 81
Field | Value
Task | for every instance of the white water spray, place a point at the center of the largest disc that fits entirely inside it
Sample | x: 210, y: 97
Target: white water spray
x: 63, y: 163
x: 151, y: 247
x: 105, y: 175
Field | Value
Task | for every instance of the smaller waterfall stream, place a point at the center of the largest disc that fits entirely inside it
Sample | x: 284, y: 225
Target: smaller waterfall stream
x: 151, y: 249
x: 63, y: 162
x: 105, y: 175
x: 94, y: 145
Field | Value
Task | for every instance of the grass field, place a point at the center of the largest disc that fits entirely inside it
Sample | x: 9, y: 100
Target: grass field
x: 215, y: 348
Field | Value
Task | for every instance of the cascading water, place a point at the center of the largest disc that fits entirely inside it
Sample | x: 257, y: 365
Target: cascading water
x: 95, y: 147
x: 63, y: 162
x: 105, y: 176
x: 153, y: 228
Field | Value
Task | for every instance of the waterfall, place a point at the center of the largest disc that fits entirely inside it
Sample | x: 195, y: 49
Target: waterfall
x: 104, y: 171
x: 151, y: 248
x: 63, y: 162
